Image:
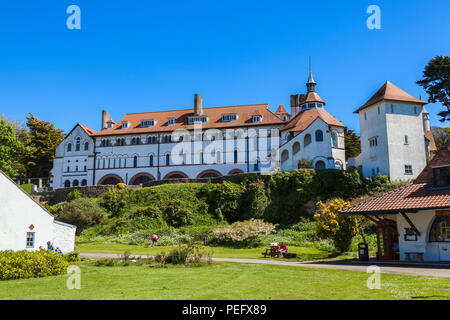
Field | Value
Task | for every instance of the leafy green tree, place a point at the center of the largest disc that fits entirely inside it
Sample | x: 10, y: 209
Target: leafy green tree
x: 44, y: 138
x: 10, y: 150
x: 440, y: 135
x: 436, y: 82
x: 352, y: 144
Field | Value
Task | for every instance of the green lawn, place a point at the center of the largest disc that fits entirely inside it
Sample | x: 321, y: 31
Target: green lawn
x: 225, y: 281
x: 303, y: 253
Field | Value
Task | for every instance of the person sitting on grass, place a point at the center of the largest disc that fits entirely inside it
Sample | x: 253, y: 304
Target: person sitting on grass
x: 283, y: 249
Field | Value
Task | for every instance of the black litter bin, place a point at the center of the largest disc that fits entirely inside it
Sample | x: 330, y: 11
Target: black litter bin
x: 363, y: 252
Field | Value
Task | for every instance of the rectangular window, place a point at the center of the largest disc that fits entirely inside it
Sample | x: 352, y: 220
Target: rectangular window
x: 256, y: 119
x: 147, y: 123
x: 392, y: 108
x: 171, y: 122
x: 406, y: 140
x: 229, y: 117
x: 441, y: 177
x: 124, y: 125
x: 408, y: 169
x: 373, y: 142
x: 30, y: 239
x: 378, y: 110
x: 193, y: 120
x: 365, y: 115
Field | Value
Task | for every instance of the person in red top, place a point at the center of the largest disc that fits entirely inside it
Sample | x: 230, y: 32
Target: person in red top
x: 283, y: 249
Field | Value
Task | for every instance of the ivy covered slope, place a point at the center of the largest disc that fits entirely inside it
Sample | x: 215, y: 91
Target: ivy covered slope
x: 193, y: 209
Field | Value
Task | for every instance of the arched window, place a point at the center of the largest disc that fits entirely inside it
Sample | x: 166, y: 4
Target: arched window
x: 320, y: 165
x: 235, y: 156
x: 218, y: 157
x: 69, y: 147
x: 307, y: 140
x: 86, y: 146
x: 78, y: 144
x: 296, y: 148
x: 334, y: 139
x: 284, y: 156
x: 135, y: 158
x: 84, y: 182
x: 167, y: 159
x: 75, y: 183
x: 66, y: 184
x: 319, y: 135
x: 440, y: 231
x: 151, y: 160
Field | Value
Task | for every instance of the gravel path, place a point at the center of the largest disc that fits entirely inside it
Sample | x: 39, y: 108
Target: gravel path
x: 436, y: 271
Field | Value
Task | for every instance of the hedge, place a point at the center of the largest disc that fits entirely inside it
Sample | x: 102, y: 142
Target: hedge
x: 31, y: 264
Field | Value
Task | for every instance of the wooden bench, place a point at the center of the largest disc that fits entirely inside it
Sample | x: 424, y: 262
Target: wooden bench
x: 272, y: 253
x: 408, y: 256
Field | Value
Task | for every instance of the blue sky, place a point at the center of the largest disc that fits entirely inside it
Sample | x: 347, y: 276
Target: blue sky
x: 137, y: 56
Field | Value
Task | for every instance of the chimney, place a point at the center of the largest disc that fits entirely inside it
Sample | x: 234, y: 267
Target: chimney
x: 198, y: 111
x: 426, y: 121
x: 105, y: 118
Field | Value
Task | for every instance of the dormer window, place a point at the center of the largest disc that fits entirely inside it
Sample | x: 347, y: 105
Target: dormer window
x: 311, y: 105
x: 201, y: 119
x: 147, y: 123
x: 441, y: 177
x: 229, y: 117
x: 125, y: 125
x: 171, y: 121
x: 256, y: 119
x: 319, y: 105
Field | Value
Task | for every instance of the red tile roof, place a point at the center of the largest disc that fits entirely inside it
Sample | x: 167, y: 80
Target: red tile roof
x: 214, y: 115
x: 408, y: 198
x: 88, y: 131
x: 389, y: 92
x: 441, y: 159
x: 432, y: 143
x: 304, y: 119
x: 313, y: 97
x: 281, y: 110
x: 412, y: 197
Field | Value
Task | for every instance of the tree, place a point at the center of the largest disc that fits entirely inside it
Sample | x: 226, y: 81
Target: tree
x: 331, y: 224
x: 440, y: 135
x: 436, y: 82
x: 352, y: 144
x: 44, y: 138
x: 10, y: 149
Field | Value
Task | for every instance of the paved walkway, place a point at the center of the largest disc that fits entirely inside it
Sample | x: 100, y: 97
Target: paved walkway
x: 436, y: 271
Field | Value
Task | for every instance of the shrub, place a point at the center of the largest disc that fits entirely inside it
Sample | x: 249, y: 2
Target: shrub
x: 83, y: 213
x: 121, y: 185
x: 331, y: 224
x: 242, y: 234
x: 113, y: 202
x: 176, y: 214
x: 30, y: 264
x: 75, y: 194
x: 185, y: 254
x: 72, y: 256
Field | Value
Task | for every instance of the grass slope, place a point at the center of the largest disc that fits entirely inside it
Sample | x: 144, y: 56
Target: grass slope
x: 225, y: 281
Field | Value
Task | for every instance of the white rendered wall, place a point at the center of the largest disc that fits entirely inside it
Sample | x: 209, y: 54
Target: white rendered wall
x: 422, y: 221
x: 63, y: 236
x: 391, y: 154
x: 17, y: 212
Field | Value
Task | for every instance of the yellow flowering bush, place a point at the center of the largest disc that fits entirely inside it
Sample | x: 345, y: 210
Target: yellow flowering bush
x: 121, y: 185
x: 338, y: 227
x: 30, y: 264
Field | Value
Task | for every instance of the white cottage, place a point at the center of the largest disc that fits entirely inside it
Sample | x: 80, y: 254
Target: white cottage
x: 25, y: 225
x: 413, y: 221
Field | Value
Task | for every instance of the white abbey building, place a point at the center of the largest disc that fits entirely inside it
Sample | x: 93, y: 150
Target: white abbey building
x: 201, y: 143
x: 395, y: 135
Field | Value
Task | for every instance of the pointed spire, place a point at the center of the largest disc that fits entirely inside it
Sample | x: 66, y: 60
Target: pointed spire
x: 311, y: 84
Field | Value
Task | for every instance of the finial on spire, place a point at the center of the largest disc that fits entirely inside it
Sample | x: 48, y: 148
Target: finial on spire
x: 311, y: 84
